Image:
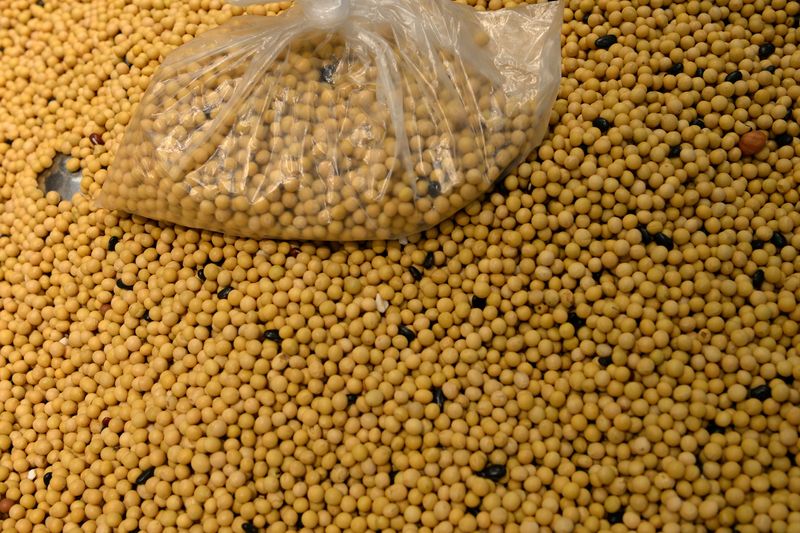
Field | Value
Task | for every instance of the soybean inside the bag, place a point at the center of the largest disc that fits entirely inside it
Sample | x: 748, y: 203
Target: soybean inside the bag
x: 339, y: 120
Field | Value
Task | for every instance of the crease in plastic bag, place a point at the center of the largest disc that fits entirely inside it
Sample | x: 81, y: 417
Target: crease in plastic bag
x: 378, y: 124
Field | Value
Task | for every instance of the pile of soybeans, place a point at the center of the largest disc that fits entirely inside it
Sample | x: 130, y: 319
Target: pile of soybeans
x: 607, y: 341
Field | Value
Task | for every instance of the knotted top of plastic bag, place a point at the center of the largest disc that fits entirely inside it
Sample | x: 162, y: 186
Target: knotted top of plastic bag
x: 339, y: 119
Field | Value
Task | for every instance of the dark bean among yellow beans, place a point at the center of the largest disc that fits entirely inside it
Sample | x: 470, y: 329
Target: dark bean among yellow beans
x: 607, y: 341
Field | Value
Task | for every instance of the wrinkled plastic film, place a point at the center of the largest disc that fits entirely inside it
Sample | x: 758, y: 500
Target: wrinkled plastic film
x: 377, y: 128
x: 530, y: 73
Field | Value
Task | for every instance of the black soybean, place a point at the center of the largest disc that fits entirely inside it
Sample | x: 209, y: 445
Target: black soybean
x: 675, y: 69
x: 478, y: 302
x: 647, y: 237
x: 575, y: 320
x: 766, y: 50
x: 605, y: 361
x: 429, y: 261
x: 605, y: 42
x: 144, y: 476
x: 326, y: 73
x: 415, y: 273
x: 493, y: 472
x: 784, y: 139
x: 675, y: 151
x: 438, y: 397
x: 224, y: 293
x: 248, y: 527
x: 771, y: 69
x: 48, y: 476
x: 762, y: 392
x: 699, y: 72
x: 698, y: 122
x: 351, y: 399
x: 601, y: 124
x: 664, y: 240
x: 434, y: 189
x: 758, y: 279
x: 201, y: 273
x: 146, y: 316
x: 272, y: 335
x: 778, y: 240
x: 734, y: 76
x: 615, y: 517
x: 406, y: 332
x: 121, y: 285
x: 112, y: 243
x: 756, y: 244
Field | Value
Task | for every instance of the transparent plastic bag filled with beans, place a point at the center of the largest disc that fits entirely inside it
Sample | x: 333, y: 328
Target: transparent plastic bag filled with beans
x: 339, y: 120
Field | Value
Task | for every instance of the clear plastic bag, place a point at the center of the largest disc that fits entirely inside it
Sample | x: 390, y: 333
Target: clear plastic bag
x: 339, y: 120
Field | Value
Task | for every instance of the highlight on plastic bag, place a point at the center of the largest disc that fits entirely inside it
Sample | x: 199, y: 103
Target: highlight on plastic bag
x: 339, y: 120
